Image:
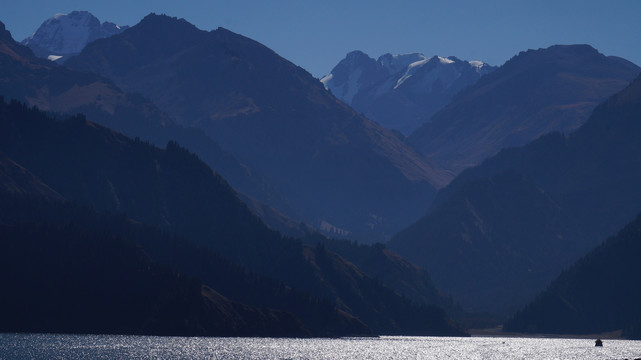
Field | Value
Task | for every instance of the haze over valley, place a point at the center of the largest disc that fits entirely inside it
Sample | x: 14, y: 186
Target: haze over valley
x: 157, y: 178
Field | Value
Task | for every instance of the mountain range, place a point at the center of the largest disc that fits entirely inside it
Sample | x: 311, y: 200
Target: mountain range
x: 114, y: 194
x: 341, y: 171
x: 173, y: 191
x: 401, y: 92
x: 45, y: 84
x: 91, y: 165
x: 534, y: 93
x: 500, y: 232
x: 65, y: 35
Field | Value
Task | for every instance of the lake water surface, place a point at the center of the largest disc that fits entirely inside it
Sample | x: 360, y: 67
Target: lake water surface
x: 46, y: 346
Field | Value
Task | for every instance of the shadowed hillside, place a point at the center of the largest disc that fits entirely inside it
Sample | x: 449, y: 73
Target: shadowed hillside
x: 344, y: 173
x: 60, y: 90
x: 500, y: 232
x: 532, y: 94
x: 173, y: 190
x: 597, y: 294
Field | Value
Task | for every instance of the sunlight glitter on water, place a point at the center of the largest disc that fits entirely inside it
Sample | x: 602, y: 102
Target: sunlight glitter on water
x: 47, y: 346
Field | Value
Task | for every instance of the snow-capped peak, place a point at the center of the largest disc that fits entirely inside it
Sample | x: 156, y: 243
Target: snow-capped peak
x: 481, y: 67
x: 67, y: 34
x: 400, y: 91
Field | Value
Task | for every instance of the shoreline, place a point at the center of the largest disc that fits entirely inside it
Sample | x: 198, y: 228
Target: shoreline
x: 498, y: 332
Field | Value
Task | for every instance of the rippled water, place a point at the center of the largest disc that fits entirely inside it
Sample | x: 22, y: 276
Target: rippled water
x: 45, y: 346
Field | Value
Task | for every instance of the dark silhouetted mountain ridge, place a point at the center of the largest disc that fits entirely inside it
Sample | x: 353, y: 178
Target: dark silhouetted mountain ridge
x: 510, y: 225
x: 597, y: 294
x: 58, y: 89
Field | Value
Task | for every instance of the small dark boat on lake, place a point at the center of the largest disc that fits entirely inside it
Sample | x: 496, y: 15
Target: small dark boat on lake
x: 598, y: 342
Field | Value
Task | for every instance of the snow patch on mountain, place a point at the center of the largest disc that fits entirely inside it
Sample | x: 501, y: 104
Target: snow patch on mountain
x: 411, y: 69
x: 326, y: 79
x: 399, y: 67
x: 445, y: 60
x: 393, y: 87
x: 396, y: 63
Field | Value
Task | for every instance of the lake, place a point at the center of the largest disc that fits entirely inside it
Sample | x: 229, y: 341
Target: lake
x: 51, y: 346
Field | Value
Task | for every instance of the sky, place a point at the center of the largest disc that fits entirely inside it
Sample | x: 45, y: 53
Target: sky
x: 317, y: 34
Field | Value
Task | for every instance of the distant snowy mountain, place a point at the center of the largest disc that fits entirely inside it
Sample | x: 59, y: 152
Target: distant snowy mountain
x: 401, y: 91
x: 65, y: 35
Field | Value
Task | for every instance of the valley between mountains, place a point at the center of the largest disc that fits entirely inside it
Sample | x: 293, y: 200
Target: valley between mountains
x: 161, y: 179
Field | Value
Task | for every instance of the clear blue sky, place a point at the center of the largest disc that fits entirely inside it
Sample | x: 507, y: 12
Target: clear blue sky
x: 316, y: 34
